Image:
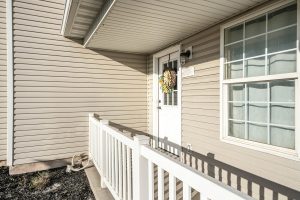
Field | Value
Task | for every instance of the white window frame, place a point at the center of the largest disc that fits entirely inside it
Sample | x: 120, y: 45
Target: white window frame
x: 266, y: 148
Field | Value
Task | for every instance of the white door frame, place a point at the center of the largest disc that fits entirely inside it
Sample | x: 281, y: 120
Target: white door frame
x: 155, y: 88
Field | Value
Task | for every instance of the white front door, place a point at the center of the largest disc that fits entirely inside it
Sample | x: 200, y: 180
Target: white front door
x: 169, y: 105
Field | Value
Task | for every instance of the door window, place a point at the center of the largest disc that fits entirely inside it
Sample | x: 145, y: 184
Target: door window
x: 171, y: 99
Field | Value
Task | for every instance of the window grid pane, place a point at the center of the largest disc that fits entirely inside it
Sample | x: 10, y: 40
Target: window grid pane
x: 250, y: 40
x: 257, y: 109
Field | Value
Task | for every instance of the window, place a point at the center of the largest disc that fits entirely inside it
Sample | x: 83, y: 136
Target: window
x: 259, y: 80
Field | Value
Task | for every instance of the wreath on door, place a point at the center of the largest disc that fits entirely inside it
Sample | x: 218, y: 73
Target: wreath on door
x: 168, y: 81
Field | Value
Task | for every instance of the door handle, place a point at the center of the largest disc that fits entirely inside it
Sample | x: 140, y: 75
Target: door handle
x: 158, y: 107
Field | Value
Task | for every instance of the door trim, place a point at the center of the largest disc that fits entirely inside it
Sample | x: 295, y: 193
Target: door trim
x: 155, y: 89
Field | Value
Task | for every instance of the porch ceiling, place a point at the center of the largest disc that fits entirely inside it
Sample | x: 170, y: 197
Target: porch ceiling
x: 145, y: 26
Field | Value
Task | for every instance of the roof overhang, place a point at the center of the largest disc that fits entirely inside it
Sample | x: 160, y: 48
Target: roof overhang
x: 144, y: 26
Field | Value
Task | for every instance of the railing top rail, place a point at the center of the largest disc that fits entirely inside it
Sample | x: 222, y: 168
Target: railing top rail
x: 114, y: 132
x: 196, y: 180
x: 119, y: 136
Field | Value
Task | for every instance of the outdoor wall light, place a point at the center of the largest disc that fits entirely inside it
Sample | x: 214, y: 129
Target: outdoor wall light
x: 185, y: 55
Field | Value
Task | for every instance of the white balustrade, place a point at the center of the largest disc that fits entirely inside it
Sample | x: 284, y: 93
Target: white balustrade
x: 126, y: 166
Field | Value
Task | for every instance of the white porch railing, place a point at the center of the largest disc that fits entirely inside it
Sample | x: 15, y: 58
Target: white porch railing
x: 126, y: 167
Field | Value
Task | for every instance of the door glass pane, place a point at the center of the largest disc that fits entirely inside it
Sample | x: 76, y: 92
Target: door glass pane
x: 236, y: 92
x: 234, y: 52
x: 165, y: 99
x: 237, y: 111
x: 234, y: 34
x: 234, y: 70
x: 282, y: 137
x: 258, y: 112
x: 282, y: 40
x: 282, y: 63
x: 175, y: 67
x: 258, y: 133
x: 282, y: 17
x: 236, y: 129
x: 258, y: 92
x: 282, y: 91
x: 255, y: 27
x: 175, y: 98
x: 255, y: 67
x: 283, y: 114
x: 170, y: 65
x: 165, y: 66
x: 255, y: 46
x: 170, y: 98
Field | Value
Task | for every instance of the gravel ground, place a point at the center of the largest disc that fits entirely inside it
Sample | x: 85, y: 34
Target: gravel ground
x: 51, y: 184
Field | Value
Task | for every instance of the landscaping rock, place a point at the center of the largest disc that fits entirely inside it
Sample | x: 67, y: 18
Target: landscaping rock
x: 55, y: 184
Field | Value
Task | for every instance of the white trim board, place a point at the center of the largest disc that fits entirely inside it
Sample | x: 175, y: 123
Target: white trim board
x: 70, y: 12
x: 278, y: 151
x: 10, y: 82
x: 104, y: 11
x: 155, y: 86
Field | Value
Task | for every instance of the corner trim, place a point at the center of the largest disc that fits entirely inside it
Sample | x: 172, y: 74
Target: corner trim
x: 99, y: 21
x: 10, y: 82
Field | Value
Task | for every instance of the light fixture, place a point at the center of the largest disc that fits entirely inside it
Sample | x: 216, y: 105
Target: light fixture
x: 185, y: 55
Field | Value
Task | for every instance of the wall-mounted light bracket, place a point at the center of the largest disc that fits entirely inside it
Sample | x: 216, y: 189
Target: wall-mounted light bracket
x: 185, y: 55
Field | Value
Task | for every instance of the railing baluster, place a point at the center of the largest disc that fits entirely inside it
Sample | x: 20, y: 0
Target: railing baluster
x: 186, y: 191
x: 103, y: 152
x: 107, y: 156
x: 172, y: 187
x: 113, y: 148
x: 160, y: 183
x: 90, y: 135
x: 120, y: 168
x: 116, y: 166
x: 93, y: 141
x: 124, y: 170
x: 129, y: 174
x: 150, y: 180
x: 110, y: 159
x: 98, y: 146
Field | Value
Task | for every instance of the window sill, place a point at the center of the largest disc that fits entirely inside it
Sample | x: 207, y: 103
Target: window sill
x: 273, y: 150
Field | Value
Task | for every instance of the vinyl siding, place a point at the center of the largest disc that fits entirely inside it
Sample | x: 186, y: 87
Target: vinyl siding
x: 58, y: 82
x: 200, y: 118
x: 3, y: 87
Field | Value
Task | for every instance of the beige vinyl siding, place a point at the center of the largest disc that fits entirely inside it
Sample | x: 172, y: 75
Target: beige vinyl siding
x: 3, y: 87
x: 58, y: 82
x: 201, y: 116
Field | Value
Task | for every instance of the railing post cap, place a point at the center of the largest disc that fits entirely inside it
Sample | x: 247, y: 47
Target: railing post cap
x: 103, y: 121
x: 141, y: 138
